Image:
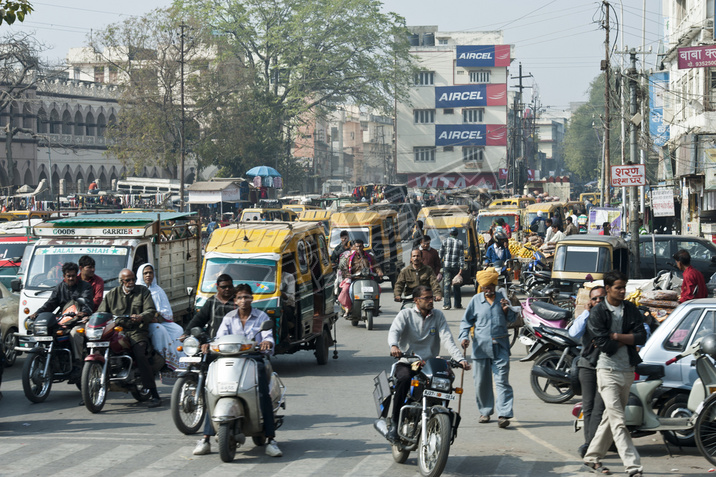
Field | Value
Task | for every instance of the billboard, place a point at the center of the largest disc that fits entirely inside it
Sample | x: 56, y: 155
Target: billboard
x: 470, y: 56
x: 697, y: 57
x: 452, y: 181
x: 470, y: 95
x: 658, y: 86
x: 470, y: 135
x: 626, y: 176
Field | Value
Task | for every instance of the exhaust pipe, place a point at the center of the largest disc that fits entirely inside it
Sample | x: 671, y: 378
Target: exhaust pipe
x: 552, y: 374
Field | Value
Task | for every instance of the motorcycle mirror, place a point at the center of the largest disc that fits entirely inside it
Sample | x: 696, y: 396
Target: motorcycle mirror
x: 81, y: 301
x: 266, y: 325
x: 196, y: 331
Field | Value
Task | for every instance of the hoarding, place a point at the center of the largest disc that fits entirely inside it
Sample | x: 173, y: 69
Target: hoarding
x: 662, y: 202
x: 470, y: 95
x: 626, y: 176
x: 452, y: 181
x: 470, y: 135
x: 658, y: 86
x: 471, y: 56
x: 697, y: 57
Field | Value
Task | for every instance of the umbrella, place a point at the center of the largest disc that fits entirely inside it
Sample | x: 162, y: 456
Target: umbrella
x: 263, y: 171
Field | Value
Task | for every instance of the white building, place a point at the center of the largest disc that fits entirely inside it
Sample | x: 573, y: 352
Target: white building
x: 453, y: 131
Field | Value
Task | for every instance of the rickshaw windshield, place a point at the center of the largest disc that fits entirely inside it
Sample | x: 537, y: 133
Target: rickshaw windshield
x: 259, y: 273
x: 582, y: 259
x: 353, y: 233
x: 484, y: 222
x: 438, y: 236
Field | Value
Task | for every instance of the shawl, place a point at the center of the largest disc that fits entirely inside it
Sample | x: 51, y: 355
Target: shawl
x: 161, y: 301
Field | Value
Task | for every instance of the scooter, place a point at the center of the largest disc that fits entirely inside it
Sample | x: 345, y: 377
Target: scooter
x: 538, y: 313
x: 642, y: 420
x: 188, y: 406
x: 232, y: 393
x: 426, y: 423
x: 553, y: 352
x: 365, y: 296
x: 110, y: 366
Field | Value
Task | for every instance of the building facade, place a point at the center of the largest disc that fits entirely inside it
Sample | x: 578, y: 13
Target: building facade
x: 452, y: 133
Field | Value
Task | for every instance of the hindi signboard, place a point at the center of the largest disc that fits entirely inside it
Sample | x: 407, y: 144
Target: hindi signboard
x: 627, y: 176
x: 697, y: 57
x: 662, y: 202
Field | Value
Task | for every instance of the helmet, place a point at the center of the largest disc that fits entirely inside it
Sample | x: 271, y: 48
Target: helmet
x: 708, y: 345
x: 500, y: 236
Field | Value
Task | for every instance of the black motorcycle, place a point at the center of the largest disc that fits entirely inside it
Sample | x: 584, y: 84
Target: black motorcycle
x: 188, y: 406
x: 49, y: 347
x: 554, y: 378
x: 426, y: 423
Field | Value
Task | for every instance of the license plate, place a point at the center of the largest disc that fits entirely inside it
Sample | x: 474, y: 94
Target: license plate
x: 439, y: 395
x: 190, y: 359
x: 367, y: 289
x: 228, y: 387
x: 42, y: 338
x: 97, y: 344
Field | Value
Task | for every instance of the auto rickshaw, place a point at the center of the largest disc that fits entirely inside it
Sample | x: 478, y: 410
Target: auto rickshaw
x: 268, y: 215
x: 511, y: 202
x: 511, y: 216
x: 262, y: 254
x: 577, y: 256
x: 321, y: 216
x: 442, y: 210
x: 550, y: 210
x: 437, y: 227
x: 593, y: 197
x: 379, y: 231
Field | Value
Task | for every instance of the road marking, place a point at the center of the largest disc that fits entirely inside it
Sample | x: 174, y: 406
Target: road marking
x: 6, y: 448
x: 174, y: 462
x: 112, y: 459
x: 41, y: 458
x: 542, y: 442
x: 374, y: 464
x: 310, y: 465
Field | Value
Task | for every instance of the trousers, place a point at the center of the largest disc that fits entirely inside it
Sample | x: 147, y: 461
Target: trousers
x: 483, y: 372
x: 592, y: 403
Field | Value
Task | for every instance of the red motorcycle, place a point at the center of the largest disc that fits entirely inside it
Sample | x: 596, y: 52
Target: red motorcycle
x: 110, y: 365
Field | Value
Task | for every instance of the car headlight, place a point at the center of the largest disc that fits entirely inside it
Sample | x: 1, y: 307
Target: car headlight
x: 93, y: 334
x: 191, y: 346
x: 441, y: 384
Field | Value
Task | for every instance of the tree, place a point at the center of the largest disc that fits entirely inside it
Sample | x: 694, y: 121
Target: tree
x: 585, y: 133
x: 301, y: 59
x: 11, y: 10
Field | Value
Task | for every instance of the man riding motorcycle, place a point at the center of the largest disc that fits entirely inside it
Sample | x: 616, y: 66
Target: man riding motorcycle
x: 418, y: 330
x: 416, y: 274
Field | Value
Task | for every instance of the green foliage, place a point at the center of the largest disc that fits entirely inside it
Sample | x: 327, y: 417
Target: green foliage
x: 585, y: 133
x: 11, y: 10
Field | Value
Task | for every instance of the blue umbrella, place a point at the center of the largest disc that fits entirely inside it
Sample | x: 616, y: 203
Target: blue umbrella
x: 263, y: 171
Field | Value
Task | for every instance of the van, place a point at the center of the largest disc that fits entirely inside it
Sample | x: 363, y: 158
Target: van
x: 437, y: 227
x: 114, y: 241
x: 380, y: 233
x: 262, y: 254
x: 271, y: 215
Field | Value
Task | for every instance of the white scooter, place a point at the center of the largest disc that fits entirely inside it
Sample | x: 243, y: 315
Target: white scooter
x: 232, y: 393
x: 365, y: 293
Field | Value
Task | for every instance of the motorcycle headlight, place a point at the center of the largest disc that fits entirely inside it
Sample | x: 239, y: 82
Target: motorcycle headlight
x: 93, y: 334
x: 231, y: 348
x: 191, y: 346
x: 41, y: 330
x: 441, y: 384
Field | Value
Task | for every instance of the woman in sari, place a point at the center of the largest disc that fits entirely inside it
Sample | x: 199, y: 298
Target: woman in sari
x: 163, y: 332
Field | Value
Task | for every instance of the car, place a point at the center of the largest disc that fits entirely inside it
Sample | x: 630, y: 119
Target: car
x: 9, y: 303
x: 656, y: 253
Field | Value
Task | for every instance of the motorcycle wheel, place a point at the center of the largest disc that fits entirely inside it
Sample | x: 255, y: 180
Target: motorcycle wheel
x: 323, y: 347
x: 433, y: 454
x: 546, y: 389
x: 706, y: 430
x: 187, y: 415
x: 227, y: 443
x: 140, y: 393
x: 9, y: 343
x: 259, y: 441
x: 354, y: 323
x: 512, y: 334
x: 369, y: 319
x: 34, y: 384
x: 94, y: 389
x: 400, y: 455
x: 676, y: 407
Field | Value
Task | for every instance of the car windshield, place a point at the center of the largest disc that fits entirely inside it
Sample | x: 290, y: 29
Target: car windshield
x: 438, y: 236
x: 578, y: 258
x: 9, y: 250
x: 45, y: 270
x: 485, y: 222
x: 260, y: 274
x: 353, y: 233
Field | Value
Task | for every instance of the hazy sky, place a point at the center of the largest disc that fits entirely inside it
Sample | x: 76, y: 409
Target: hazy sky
x: 559, y: 42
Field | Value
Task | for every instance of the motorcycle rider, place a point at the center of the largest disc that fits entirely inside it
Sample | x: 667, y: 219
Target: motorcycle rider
x: 247, y: 321
x: 87, y: 264
x: 356, y: 262
x: 499, y: 252
x: 419, y: 330
x: 416, y: 274
x: 71, y: 288
x: 136, y: 301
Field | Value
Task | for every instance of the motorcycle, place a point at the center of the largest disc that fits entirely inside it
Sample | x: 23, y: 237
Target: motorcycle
x: 49, y: 351
x: 642, y: 419
x: 110, y: 366
x: 426, y: 423
x: 233, y: 396
x: 188, y: 406
x: 365, y: 296
x: 553, y: 352
x: 536, y: 312
x: 406, y: 301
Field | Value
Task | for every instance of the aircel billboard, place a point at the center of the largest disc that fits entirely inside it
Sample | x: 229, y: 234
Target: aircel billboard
x: 470, y: 56
x: 470, y: 95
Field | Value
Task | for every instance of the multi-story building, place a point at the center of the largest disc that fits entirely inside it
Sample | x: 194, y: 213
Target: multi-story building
x: 452, y: 132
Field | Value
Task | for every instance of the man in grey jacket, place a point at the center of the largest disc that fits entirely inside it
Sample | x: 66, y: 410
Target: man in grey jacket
x: 418, y: 330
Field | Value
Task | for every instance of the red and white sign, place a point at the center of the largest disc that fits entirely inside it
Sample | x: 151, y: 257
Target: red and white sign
x: 503, y: 173
x: 627, y: 176
x: 697, y: 57
x: 452, y: 181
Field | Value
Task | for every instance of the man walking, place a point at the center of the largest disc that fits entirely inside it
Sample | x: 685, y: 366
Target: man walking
x: 452, y: 254
x: 616, y: 328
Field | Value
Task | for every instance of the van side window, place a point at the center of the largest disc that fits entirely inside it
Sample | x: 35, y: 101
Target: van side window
x: 302, y: 259
x: 323, y: 249
x: 678, y: 338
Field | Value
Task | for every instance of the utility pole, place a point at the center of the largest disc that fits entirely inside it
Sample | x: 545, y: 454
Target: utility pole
x: 607, y: 80
x: 181, y: 133
x: 633, y: 156
x: 516, y: 169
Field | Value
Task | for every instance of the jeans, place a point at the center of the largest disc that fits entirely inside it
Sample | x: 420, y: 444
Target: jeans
x: 139, y: 351
x: 449, y: 289
x: 403, y: 375
x: 592, y: 403
x: 483, y: 370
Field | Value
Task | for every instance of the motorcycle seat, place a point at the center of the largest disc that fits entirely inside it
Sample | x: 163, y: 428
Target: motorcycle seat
x: 543, y: 275
x: 549, y: 312
x: 651, y: 371
x: 563, y: 333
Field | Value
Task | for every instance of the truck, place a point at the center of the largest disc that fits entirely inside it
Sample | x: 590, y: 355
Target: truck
x: 170, y: 241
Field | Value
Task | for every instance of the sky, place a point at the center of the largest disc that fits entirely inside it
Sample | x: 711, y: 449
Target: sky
x: 558, y: 42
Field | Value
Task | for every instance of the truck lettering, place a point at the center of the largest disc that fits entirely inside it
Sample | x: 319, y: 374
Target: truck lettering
x: 63, y: 231
x: 117, y: 231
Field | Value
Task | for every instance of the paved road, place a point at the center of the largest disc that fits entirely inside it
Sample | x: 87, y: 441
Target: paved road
x: 328, y: 429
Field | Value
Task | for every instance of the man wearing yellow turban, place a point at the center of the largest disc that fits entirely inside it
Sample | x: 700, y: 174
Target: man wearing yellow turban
x: 488, y: 314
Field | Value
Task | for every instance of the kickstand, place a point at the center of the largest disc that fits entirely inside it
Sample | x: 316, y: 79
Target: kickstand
x: 335, y: 341
x: 668, y: 447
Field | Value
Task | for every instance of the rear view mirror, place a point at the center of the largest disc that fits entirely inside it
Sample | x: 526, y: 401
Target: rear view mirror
x: 19, y: 259
x: 16, y: 285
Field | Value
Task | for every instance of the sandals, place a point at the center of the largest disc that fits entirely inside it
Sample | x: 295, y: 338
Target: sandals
x: 598, y: 468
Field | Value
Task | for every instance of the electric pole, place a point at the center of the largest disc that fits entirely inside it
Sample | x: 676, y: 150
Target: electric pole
x: 181, y: 132
x: 633, y: 153
x: 607, y: 80
x: 518, y: 167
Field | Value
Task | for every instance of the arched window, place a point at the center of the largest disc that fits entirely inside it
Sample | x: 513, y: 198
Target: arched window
x: 79, y: 124
x: 101, y: 125
x: 26, y: 116
x: 90, y: 124
x: 54, y: 122
x: 66, y: 123
x: 41, y: 121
